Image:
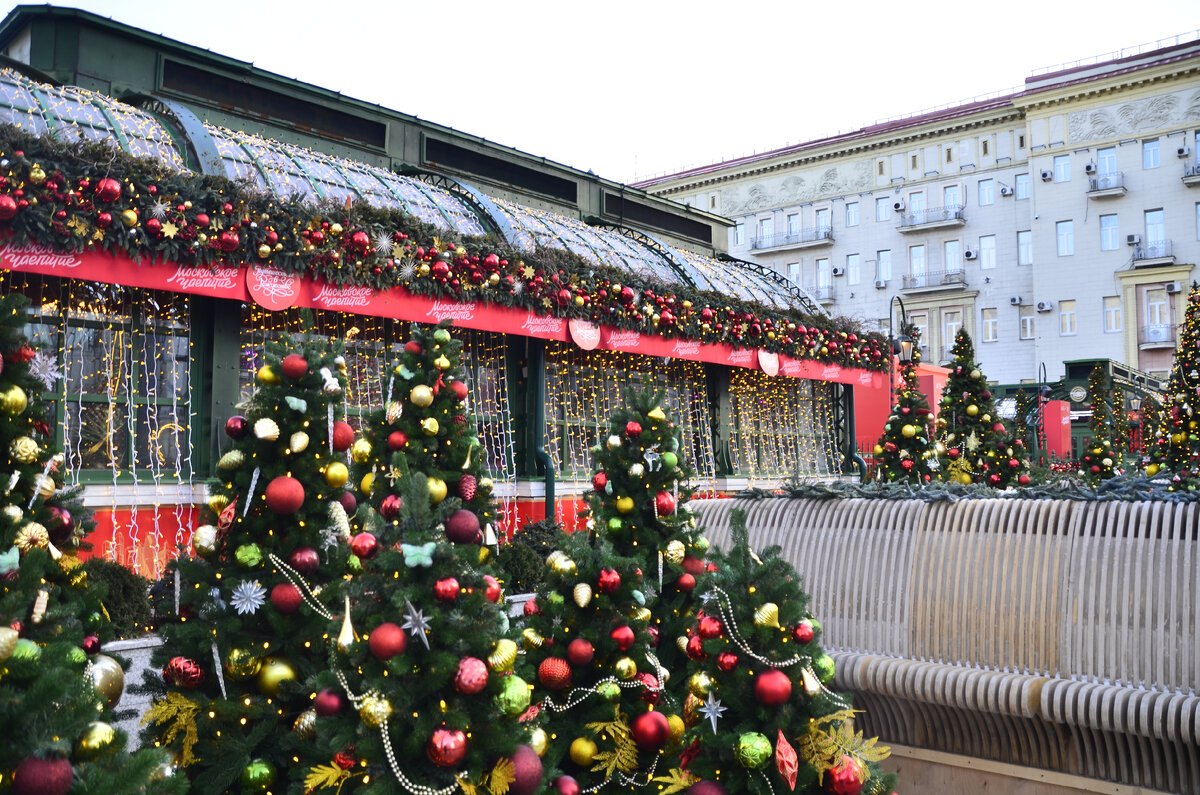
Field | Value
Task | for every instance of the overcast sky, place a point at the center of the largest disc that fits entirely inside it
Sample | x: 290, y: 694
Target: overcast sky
x: 633, y: 89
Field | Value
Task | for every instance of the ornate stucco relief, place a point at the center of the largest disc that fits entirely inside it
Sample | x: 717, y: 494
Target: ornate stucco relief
x: 1134, y: 117
x: 807, y: 186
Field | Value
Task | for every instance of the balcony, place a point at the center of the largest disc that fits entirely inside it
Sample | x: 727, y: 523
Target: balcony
x: 1153, y: 252
x: 803, y: 238
x: 1191, y: 174
x: 932, y: 281
x: 823, y: 293
x: 1156, y: 335
x: 932, y: 218
x: 1103, y: 186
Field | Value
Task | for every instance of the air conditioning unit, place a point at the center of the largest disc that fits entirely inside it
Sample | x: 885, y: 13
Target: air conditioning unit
x: 1015, y: 300
x: 1183, y: 151
x: 1090, y: 168
x: 1047, y: 175
x: 1005, y: 190
x: 970, y: 254
x: 898, y: 205
x: 838, y: 271
x: 1174, y: 288
x: 1045, y: 306
x: 881, y: 284
x: 1133, y: 240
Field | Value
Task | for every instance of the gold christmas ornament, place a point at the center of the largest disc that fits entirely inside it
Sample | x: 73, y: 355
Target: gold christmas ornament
x: 564, y: 566
x: 767, y: 615
x: 812, y: 685
x: 485, y: 485
x: 691, y: 709
x: 107, y: 677
x: 700, y: 684
x: 129, y: 218
x: 441, y: 362
x: 336, y: 474
x: 8, y: 642
x: 45, y: 486
x: 908, y: 431
x: 677, y: 728
x: 375, y: 710
x: 37, y: 175
x: 32, y: 536
x: 266, y: 429
x: 14, y: 400
x: 972, y: 410
x: 231, y: 460
x: 99, y: 735
x: 656, y: 413
x: 421, y: 396
x: 430, y: 426
x: 640, y: 614
x: 241, y: 663
x: 539, y: 741
x: 273, y: 673
x: 503, y: 655
x: 437, y: 489
x: 681, y: 642
x: 625, y: 504
x: 306, y: 724
x: 675, y: 551
x: 582, y: 751
x: 346, y: 638
x: 532, y: 638
x: 298, y: 443
x: 218, y: 503
x: 554, y: 557
x: 204, y: 540
x: 360, y: 451
x: 39, y: 605
x: 626, y: 668
x: 582, y: 594
x: 266, y: 375
x: 23, y: 450
x: 367, y: 484
x: 394, y: 410
x: 12, y: 513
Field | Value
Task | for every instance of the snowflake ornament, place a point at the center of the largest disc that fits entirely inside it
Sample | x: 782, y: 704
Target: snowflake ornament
x: 248, y: 597
x: 45, y: 369
x: 382, y: 243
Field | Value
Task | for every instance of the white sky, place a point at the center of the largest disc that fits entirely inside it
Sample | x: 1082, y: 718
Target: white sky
x: 633, y: 89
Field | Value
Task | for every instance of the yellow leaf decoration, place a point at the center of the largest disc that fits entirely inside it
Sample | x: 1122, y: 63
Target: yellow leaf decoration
x: 831, y: 736
x: 624, y: 756
x: 466, y: 786
x: 502, y: 775
x: 676, y: 781
x: 324, y: 776
x: 180, y: 712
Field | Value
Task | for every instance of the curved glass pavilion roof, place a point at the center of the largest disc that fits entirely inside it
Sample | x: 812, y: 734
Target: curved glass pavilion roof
x: 69, y: 112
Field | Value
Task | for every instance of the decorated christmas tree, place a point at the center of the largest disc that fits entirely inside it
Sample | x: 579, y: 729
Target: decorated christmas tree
x: 234, y: 698
x: 1100, y: 460
x: 1175, y: 446
x: 421, y: 696
x: 1024, y: 421
x: 57, y: 691
x: 977, y: 447
x: 905, y: 452
x: 608, y: 626
x: 760, y: 717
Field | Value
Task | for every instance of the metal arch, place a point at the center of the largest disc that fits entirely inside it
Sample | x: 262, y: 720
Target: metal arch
x: 807, y: 302
x: 663, y: 250
x: 495, y: 221
x: 195, y: 137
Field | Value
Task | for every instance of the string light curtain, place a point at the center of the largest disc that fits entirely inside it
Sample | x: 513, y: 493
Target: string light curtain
x: 781, y: 428
x: 584, y: 387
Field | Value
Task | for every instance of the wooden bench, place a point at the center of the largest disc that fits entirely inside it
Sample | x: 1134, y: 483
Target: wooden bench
x: 1049, y: 633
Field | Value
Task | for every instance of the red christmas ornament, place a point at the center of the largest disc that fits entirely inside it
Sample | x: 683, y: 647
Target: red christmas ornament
x: 727, y: 661
x: 998, y: 427
x: 466, y: 487
x: 772, y: 687
x: 685, y: 582
x: 228, y: 241
x: 328, y: 702
x: 710, y: 627
x: 387, y: 640
x: 804, y: 632
x: 285, y: 495
x: 554, y: 673
x: 695, y: 648
x: 664, y: 503
x: 360, y: 241
x: 182, y: 672
x: 8, y: 207
x: 345, y: 759
x: 286, y: 598
x: 294, y: 366
x: 343, y: 436
x: 653, y: 691
x: 650, y: 731
x: 365, y: 545
x: 565, y: 785
x: 907, y: 463
x: 492, y: 590
x: 108, y: 190
x: 786, y: 761
x: 623, y: 637
x: 527, y: 771
x: 633, y: 429
x: 1014, y: 463
x: 446, y: 589
x: 472, y: 675
x: 844, y: 777
x: 459, y: 389
x: 397, y: 440
x: 692, y: 565
x: 91, y: 645
x: 349, y: 504
x: 530, y: 608
x: 390, y: 508
x: 463, y: 527
x: 237, y: 426
x: 952, y: 453
x: 580, y: 651
x: 706, y: 787
x: 43, y: 777
x: 599, y: 481
x: 413, y: 347
x: 446, y: 747
x: 1023, y: 480
x: 609, y: 581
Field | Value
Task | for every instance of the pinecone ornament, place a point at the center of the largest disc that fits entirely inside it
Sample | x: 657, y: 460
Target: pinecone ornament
x: 466, y: 487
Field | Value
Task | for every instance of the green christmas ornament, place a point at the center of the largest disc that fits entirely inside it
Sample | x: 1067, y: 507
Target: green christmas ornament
x: 614, y: 525
x: 94, y: 621
x: 249, y: 555
x: 258, y: 775
x: 609, y: 691
x: 554, y: 598
x: 753, y: 750
x: 354, y: 564
x: 513, y: 699
x: 823, y: 668
x: 669, y: 460
x: 441, y: 336
x: 77, y: 656
x: 26, y: 651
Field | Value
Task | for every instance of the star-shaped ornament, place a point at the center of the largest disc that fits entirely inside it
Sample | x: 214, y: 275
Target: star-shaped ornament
x: 712, y: 709
x: 527, y: 272
x: 169, y: 229
x: 973, y: 442
x: 415, y: 622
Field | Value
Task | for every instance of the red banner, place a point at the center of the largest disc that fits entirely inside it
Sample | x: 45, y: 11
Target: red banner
x: 276, y: 290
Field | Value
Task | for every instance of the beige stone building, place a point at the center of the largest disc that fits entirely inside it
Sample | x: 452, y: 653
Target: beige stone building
x: 1055, y: 223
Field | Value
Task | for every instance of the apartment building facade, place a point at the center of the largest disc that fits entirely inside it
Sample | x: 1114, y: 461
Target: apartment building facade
x: 1055, y: 223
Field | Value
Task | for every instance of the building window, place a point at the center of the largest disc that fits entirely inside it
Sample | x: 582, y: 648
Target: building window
x: 1026, y: 322
x: 883, y: 209
x: 914, y: 162
x: 793, y: 224
x: 1106, y: 160
x: 916, y: 264
x: 739, y: 234
x: 853, y: 269
x: 987, y: 252
x: 987, y: 192
x: 1150, y: 154
x: 766, y: 229
x: 1020, y: 141
x: 1021, y: 186
x: 1198, y: 220
x: 920, y: 321
x: 1065, y: 234
x: 952, y: 256
x: 1025, y: 247
x: 883, y: 264
x: 823, y: 219
x: 951, y: 197
x: 1109, y: 234
x: 879, y: 168
x: 851, y: 213
x: 951, y: 323
x: 1112, y: 314
x: 1156, y: 230
x: 1066, y: 318
x: 712, y: 202
x: 1157, y: 310
x: 949, y: 155
x: 991, y: 325
x: 823, y: 276
x: 793, y: 272
x: 983, y: 148
x: 1062, y: 168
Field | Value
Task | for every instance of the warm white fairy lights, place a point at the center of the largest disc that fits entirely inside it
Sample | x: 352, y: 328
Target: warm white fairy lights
x: 781, y: 427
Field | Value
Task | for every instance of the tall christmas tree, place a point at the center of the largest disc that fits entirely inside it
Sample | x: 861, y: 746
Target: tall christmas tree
x: 425, y: 699
x: 1175, y: 447
x: 905, y: 451
x: 57, y: 690
x: 1024, y: 419
x: 977, y: 447
x: 1100, y: 460
x: 238, y: 665
x: 760, y: 717
x: 609, y: 623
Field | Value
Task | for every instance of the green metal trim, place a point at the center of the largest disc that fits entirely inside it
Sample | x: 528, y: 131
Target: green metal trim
x: 112, y: 125
x: 50, y: 120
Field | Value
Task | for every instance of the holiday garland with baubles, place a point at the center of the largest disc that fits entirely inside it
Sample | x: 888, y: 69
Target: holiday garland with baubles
x: 1100, y: 459
x: 905, y: 452
x: 1175, y: 445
